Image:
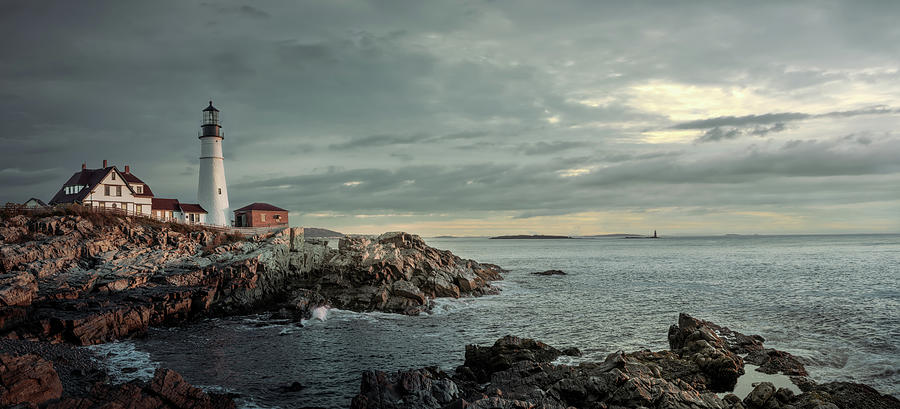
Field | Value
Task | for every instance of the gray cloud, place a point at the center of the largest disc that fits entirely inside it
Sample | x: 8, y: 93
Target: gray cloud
x: 741, y: 121
x: 546, y: 148
x: 732, y: 127
x: 459, y: 109
x: 379, y: 140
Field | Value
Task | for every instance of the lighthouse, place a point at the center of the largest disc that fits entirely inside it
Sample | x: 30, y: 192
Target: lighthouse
x: 212, y: 191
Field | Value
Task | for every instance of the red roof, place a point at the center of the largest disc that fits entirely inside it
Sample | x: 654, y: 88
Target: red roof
x: 164, y: 204
x: 192, y: 208
x: 134, y: 180
x: 261, y: 206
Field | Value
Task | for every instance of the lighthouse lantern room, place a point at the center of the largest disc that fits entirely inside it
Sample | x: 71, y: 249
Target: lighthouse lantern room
x: 212, y: 191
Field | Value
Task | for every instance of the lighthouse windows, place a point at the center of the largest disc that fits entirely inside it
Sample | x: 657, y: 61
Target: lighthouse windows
x: 220, y: 191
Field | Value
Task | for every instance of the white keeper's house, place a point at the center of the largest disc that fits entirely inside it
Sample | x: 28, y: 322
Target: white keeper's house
x: 110, y: 188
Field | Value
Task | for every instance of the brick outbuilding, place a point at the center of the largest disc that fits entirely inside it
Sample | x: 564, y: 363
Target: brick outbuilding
x: 260, y: 215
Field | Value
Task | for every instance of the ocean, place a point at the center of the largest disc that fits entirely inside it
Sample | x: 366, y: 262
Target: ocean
x: 834, y: 300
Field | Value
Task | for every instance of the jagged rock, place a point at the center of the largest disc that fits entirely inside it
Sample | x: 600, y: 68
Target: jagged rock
x: 167, y: 390
x: 398, y: 272
x: 27, y: 379
x: 845, y: 395
x: 517, y: 372
x: 571, y: 351
x: 772, y: 361
x: 784, y: 395
x: 732, y: 340
x: 303, y: 302
x: 420, y: 388
x: 500, y: 403
x: 698, y: 341
x: 290, y: 388
x: 70, y: 279
x: 760, y: 396
x: 17, y: 289
x: 483, y: 361
x: 175, y: 391
x: 550, y: 273
x: 406, y: 289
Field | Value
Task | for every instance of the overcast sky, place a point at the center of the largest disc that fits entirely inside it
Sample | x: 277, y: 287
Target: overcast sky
x: 473, y: 117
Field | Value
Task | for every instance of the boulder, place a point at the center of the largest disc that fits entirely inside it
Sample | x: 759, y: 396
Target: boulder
x: 174, y: 390
x: 483, y: 361
x: 699, y: 341
x: 420, y: 388
x: 773, y: 361
x: 27, y: 379
x: 760, y: 396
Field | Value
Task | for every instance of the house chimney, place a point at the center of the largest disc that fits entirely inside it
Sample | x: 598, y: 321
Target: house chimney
x: 83, y: 166
x: 104, y: 163
x: 127, y: 169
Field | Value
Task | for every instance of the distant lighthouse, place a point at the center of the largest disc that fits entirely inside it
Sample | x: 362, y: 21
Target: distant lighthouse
x: 212, y: 191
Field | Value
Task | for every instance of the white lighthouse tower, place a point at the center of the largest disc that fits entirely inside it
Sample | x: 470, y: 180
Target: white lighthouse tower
x: 212, y: 191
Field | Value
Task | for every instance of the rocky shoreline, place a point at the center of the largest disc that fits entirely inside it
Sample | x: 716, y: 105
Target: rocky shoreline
x: 74, y: 277
x: 703, y: 364
x: 71, y: 279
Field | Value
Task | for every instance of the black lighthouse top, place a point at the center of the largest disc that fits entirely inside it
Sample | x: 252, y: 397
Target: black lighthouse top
x: 211, y: 125
x: 210, y: 108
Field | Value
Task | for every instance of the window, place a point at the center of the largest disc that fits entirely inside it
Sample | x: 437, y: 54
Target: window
x: 277, y: 217
x: 106, y: 189
x: 138, y: 208
x: 220, y: 191
x: 118, y: 190
x: 138, y: 189
x: 262, y: 217
x: 157, y: 214
x: 114, y: 176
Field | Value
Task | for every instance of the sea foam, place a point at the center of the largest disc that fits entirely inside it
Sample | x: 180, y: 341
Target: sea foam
x: 124, y: 362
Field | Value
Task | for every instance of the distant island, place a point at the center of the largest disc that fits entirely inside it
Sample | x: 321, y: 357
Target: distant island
x: 533, y: 236
x: 596, y: 236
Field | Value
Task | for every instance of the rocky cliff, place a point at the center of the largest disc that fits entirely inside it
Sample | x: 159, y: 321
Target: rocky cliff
x: 703, y: 359
x: 78, y: 277
x: 67, y: 278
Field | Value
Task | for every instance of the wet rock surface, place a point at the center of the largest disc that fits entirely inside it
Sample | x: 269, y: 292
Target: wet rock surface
x: 519, y: 373
x: 774, y: 361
